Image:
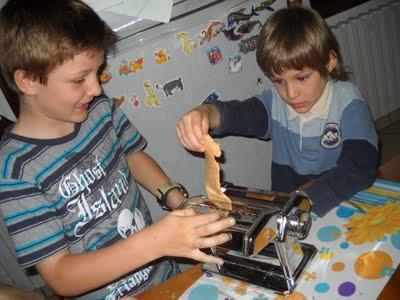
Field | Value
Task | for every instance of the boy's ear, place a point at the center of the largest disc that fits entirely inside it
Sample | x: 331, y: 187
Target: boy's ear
x: 25, y: 82
x: 333, y: 60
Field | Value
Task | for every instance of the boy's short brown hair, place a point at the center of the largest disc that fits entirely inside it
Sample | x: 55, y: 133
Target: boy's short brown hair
x: 298, y: 37
x: 37, y: 36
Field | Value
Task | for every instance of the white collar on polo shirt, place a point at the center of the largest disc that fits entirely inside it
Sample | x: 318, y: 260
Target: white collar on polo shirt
x: 320, y: 108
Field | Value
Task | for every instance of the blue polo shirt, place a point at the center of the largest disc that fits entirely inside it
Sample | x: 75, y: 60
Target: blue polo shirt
x: 335, y: 145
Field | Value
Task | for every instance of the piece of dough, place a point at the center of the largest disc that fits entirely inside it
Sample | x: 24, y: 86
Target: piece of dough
x: 212, y: 178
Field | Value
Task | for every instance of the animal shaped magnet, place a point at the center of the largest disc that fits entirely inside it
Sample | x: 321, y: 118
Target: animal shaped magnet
x: 265, y: 5
x: 214, y: 54
x: 169, y: 88
x: 152, y: 99
x: 213, y: 29
x: 231, y: 35
x: 137, y: 64
x: 249, y: 26
x: 188, y: 45
x: 118, y: 100
x: 106, y: 75
x: 135, y: 101
x: 247, y: 45
x: 161, y: 56
x: 239, y: 16
x: 213, y: 97
x: 235, y: 63
x: 124, y: 68
x: 132, y: 66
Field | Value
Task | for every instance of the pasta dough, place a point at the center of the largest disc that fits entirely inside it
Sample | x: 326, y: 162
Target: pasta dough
x: 212, y: 177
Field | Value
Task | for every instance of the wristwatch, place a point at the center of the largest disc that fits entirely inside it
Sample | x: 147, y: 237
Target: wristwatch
x: 165, y: 189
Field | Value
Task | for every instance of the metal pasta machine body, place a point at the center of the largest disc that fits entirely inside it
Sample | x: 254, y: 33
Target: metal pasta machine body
x: 265, y: 248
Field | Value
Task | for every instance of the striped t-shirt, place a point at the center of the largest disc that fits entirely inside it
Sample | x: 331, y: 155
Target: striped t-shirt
x: 77, y: 193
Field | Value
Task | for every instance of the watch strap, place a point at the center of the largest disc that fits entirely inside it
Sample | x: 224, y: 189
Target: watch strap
x: 164, y: 190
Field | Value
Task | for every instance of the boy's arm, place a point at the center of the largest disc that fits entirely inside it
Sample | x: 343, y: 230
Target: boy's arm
x: 247, y: 118
x: 355, y: 171
x: 147, y: 173
x: 180, y: 233
x: 70, y: 275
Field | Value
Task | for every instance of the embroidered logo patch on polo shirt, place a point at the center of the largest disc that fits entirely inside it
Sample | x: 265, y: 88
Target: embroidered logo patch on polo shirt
x: 331, y: 136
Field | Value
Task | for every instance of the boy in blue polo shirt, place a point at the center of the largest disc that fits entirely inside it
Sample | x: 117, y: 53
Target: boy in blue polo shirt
x: 324, y: 140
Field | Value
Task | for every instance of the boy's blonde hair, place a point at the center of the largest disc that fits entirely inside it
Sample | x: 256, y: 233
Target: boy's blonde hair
x: 37, y: 36
x: 298, y: 37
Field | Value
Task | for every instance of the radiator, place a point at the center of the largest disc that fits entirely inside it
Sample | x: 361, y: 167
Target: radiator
x: 370, y: 45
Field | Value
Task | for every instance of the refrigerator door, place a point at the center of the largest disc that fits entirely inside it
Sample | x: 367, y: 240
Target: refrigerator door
x: 162, y: 72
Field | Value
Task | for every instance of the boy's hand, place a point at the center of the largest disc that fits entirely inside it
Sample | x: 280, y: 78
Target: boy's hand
x: 182, y: 233
x: 194, y: 125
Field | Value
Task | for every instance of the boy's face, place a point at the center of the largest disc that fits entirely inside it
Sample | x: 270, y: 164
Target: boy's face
x: 300, y: 89
x: 65, y: 99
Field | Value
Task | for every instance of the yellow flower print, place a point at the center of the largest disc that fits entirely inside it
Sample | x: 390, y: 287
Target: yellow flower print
x: 241, y: 288
x: 227, y: 280
x: 376, y: 222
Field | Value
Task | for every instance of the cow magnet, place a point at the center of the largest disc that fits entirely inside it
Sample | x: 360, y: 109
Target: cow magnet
x: 169, y: 88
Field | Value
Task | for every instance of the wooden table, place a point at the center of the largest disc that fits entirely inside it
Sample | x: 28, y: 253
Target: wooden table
x: 176, y: 286
x: 173, y: 287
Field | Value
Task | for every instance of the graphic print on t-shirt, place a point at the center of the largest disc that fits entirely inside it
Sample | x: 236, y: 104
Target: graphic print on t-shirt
x: 90, y: 198
x: 129, y: 223
x: 99, y: 214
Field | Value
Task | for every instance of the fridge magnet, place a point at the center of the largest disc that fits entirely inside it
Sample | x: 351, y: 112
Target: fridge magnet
x: 118, y: 100
x: 239, y: 16
x: 249, y: 26
x: 137, y: 64
x: 235, y: 63
x: 265, y: 5
x: 124, y: 68
x: 135, y: 101
x: 152, y: 98
x: 188, y: 45
x: 213, y: 97
x: 105, y: 75
x: 214, y: 54
x: 161, y: 56
x: 294, y: 3
x: 213, y: 29
x: 231, y: 35
x: 169, y: 88
x: 247, y: 45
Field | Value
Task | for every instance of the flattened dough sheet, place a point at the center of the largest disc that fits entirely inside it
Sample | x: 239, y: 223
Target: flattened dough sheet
x: 212, y: 177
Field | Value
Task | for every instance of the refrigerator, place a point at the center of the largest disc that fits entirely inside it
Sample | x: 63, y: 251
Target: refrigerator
x: 163, y: 71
